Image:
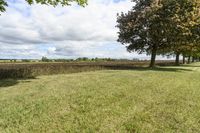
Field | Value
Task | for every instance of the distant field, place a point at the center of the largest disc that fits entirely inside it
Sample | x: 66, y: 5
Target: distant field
x: 31, y: 70
x: 161, y: 100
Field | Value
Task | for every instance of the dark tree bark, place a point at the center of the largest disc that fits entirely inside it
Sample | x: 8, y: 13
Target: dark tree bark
x: 193, y: 59
x: 153, y: 57
x: 189, y: 60
x: 177, y: 59
x: 183, y: 59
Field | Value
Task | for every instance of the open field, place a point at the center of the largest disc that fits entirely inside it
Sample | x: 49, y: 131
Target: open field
x: 165, y: 99
x: 31, y: 70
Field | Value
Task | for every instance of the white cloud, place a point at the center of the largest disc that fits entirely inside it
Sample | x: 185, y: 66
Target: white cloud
x: 38, y: 30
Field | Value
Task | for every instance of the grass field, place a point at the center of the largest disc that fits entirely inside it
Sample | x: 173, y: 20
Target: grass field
x: 162, y: 100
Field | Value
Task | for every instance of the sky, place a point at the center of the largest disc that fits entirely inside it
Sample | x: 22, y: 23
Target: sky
x: 30, y: 32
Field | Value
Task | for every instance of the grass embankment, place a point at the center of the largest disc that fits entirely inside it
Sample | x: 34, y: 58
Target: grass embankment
x: 165, y: 99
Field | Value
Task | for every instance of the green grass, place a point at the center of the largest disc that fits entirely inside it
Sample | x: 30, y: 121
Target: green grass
x: 162, y: 100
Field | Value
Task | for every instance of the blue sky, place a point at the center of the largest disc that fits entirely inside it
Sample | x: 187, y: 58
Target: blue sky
x: 63, y: 32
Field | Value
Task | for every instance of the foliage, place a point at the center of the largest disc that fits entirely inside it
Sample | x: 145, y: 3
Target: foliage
x: 2, y: 5
x: 45, y: 59
x: 63, y: 60
x: 54, y: 3
x: 153, y: 26
x: 26, y: 60
x: 82, y: 59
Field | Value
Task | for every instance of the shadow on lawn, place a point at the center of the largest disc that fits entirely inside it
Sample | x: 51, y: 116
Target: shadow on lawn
x: 191, y: 66
x: 168, y: 69
x: 8, y: 82
x: 12, y: 82
x: 139, y: 68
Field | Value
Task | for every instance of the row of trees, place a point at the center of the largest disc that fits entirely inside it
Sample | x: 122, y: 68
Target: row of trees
x: 83, y: 59
x: 162, y: 27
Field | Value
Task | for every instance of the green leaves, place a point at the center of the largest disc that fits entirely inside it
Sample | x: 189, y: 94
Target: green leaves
x: 54, y: 3
x: 3, y: 4
x: 57, y: 2
x: 159, y: 24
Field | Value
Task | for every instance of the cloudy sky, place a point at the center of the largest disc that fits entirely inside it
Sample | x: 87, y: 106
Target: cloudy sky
x: 63, y: 32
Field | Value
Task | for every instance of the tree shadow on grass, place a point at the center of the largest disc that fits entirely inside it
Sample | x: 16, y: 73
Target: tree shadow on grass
x: 139, y: 68
x: 190, y: 66
x: 8, y: 82
x: 12, y: 82
x: 169, y: 69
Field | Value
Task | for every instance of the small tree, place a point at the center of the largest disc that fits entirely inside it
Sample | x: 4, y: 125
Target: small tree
x: 45, y: 59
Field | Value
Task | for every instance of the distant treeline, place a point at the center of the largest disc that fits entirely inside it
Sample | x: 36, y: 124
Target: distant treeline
x: 86, y: 59
x: 45, y: 59
x: 81, y: 59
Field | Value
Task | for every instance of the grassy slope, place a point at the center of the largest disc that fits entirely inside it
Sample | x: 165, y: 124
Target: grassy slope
x: 161, y: 100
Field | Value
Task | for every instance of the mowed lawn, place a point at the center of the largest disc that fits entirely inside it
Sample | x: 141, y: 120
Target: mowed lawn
x: 163, y: 100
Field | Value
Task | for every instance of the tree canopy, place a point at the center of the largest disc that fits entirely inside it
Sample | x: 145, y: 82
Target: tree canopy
x: 3, y: 3
x: 153, y: 26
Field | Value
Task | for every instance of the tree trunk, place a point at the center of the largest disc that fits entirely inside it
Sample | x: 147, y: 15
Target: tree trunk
x: 183, y: 59
x: 177, y: 59
x: 153, y: 57
x: 189, y: 59
x: 193, y: 59
x: 199, y: 58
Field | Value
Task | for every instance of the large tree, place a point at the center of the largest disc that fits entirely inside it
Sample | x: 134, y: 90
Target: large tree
x: 3, y: 3
x: 187, y: 20
x: 154, y: 25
